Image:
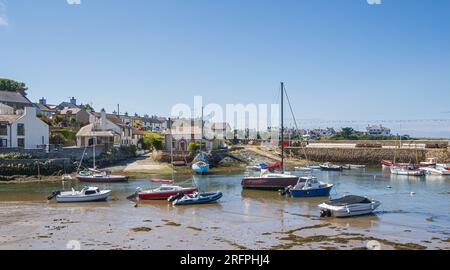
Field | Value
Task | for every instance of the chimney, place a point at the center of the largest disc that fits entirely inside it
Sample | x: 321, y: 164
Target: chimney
x: 103, y: 117
x: 43, y: 101
x: 73, y: 101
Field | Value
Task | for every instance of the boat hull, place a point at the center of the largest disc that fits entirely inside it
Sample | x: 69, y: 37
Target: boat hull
x: 307, y: 193
x: 103, y: 196
x: 200, y: 169
x: 332, y: 169
x: 102, y: 179
x: 203, y: 198
x: 165, y: 195
x: 358, y: 209
x: 269, y: 183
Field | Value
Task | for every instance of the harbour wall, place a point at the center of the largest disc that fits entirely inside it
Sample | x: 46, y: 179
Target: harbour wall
x: 68, y: 162
x: 369, y: 156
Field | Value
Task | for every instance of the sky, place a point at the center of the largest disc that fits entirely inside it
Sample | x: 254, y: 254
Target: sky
x: 341, y: 60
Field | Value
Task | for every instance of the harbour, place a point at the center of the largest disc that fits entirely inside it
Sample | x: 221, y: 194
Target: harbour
x: 270, y: 221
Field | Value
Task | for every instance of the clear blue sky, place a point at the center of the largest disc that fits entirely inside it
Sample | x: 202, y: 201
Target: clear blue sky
x: 344, y: 59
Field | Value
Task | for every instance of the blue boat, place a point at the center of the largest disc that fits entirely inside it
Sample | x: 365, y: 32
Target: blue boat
x: 200, y: 167
x: 310, y: 187
x: 329, y: 167
x: 198, y: 198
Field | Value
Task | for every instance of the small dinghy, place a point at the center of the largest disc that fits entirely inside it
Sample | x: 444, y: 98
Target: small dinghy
x: 348, y: 206
x: 310, y: 187
x: 196, y: 198
x: 87, y: 194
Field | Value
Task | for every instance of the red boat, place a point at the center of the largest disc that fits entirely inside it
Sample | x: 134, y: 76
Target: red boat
x: 164, y: 192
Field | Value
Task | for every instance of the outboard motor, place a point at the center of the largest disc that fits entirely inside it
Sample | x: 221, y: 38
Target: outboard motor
x: 54, y: 194
x: 286, y: 190
x: 325, y: 213
x: 176, y: 197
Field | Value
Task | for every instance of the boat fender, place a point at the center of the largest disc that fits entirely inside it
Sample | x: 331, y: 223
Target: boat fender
x: 54, y: 194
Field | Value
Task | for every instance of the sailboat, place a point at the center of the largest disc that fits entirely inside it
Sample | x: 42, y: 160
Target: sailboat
x: 99, y: 176
x: 201, y: 166
x: 273, y: 181
x: 167, y: 189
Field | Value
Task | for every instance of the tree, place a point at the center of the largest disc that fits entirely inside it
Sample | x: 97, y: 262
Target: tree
x: 13, y: 86
x: 88, y: 107
x: 151, y: 141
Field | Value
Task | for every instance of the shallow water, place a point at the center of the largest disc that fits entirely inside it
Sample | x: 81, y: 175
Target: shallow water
x: 242, y: 219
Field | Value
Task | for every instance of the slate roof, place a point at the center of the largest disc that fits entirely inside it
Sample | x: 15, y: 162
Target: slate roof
x: 13, y: 97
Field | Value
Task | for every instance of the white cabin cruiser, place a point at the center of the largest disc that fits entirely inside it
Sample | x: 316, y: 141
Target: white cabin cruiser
x: 348, y: 206
x: 87, y: 194
x: 435, y: 170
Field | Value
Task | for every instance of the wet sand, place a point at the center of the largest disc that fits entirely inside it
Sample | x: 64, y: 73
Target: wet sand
x: 243, y: 220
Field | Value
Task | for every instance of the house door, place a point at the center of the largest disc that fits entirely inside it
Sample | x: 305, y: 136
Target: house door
x: 182, y: 146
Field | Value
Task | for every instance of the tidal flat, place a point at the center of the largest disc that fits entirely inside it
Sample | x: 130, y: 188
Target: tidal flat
x: 243, y: 219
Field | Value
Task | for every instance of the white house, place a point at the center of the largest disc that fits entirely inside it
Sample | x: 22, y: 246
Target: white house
x: 105, y: 129
x: 23, y: 131
x: 378, y: 130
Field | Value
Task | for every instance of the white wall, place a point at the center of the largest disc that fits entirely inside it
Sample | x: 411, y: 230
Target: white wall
x: 36, y: 131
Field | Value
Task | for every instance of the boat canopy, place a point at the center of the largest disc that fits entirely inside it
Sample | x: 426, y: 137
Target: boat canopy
x: 351, y: 199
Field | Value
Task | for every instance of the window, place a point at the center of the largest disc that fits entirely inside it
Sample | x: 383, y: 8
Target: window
x: 20, y: 130
x: 3, y: 130
x: 21, y: 142
x: 3, y: 143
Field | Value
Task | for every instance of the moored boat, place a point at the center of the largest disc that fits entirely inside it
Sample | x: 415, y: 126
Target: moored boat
x: 330, y: 167
x: 348, y: 206
x: 196, y: 198
x: 200, y: 167
x: 87, y: 194
x: 354, y: 166
x: 407, y: 171
x: 310, y: 187
x: 272, y: 181
x: 269, y: 181
x: 163, y: 192
x: 435, y: 171
x: 101, y: 177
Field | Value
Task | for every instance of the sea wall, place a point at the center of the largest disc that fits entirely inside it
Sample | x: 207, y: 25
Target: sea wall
x: 74, y: 153
x: 9, y: 168
x: 369, y: 156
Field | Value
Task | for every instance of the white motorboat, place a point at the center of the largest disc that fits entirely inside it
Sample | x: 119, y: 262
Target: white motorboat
x: 348, y: 206
x: 303, y: 169
x: 87, y: 194
x: 407, y: 171
x: 435, y: 171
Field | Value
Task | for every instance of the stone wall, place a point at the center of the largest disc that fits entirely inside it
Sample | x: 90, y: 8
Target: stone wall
x: 28, y: 167
x: 372, y: 156
x: 57, y: 152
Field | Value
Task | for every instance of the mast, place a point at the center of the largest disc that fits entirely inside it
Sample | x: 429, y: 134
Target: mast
x: 282, y: 126
x: 171, y: 148
x: 93, y: 151
x: 201, y: 139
